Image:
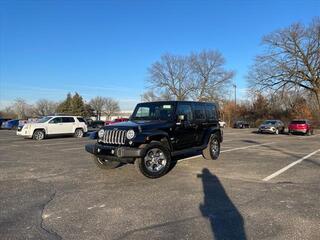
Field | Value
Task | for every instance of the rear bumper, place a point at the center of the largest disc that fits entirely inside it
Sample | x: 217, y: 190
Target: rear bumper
x: 121, y: 154
x: 298, y: 130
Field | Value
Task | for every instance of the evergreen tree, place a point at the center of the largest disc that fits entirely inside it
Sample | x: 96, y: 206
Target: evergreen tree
x: 77, y: 105
x: 66, y: 105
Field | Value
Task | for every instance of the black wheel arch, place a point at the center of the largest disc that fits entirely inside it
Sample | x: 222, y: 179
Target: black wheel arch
x: 41, y: 129
x: 216, y: 131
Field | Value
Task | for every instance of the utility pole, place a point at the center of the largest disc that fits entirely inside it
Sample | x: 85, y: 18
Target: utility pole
x: 235, y: 101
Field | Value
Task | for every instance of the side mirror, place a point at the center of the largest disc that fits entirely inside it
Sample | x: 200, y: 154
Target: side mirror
x: 181, y: 118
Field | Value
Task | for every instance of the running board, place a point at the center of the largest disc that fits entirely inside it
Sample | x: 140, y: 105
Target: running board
x: 189, y: 150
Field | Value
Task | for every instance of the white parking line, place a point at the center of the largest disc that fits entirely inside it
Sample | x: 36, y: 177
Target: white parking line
x: 229, y: 150
x: 70, y: 149
x: 289, y: 166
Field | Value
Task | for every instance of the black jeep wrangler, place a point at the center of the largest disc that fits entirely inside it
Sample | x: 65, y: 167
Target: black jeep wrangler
x: 156, y: 132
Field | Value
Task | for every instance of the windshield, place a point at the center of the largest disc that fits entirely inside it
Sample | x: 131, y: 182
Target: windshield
x: 298, y: 122
x: 153, y: 111
x: 269, y: 122
x: 44, y: 119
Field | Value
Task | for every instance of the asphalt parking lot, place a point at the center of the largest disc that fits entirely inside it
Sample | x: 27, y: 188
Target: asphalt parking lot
x: 262, y: 187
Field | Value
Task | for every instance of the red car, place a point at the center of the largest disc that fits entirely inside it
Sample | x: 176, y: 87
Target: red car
x: 116, y: 121
x: 301, y: 126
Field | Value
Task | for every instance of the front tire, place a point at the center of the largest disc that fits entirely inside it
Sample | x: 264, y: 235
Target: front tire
x: 276, y: 132
x: 105, y: 163
x: 156, y: 161
x: 38, y: 135
x: 212, y: 151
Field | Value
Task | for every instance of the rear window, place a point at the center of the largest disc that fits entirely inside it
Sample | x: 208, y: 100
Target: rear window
x: 67, y: 119
x: 298, y: 122
x: 211, y: 112
x: 199, y: 112
x: 81, y: 119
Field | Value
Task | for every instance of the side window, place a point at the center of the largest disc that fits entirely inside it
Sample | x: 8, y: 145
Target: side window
x: 67, y: 119
x: 81, y: 119
x: 211, y: 112
x: 199, y: 112
x: 185, y: 109
x: 55, y: 120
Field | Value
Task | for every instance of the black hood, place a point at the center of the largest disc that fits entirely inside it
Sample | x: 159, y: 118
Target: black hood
x: 141, y: 125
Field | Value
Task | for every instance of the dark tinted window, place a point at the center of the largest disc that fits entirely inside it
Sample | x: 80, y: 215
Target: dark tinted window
x: 81, y: 119
x: 67, y: 119
x: 211, y: 112
x: 56, y: 120
x: 185, y: 109
x: 199, y: 111
x: 298, y: 122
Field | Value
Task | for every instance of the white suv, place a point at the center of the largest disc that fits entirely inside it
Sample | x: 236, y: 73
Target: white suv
x: 54, y: 125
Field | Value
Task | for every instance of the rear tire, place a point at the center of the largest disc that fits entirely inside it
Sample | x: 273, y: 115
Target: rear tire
x: 156, y: 161
x: 212, y: 151
x: 78, y: 133
x: 38, y: 135
x: 105, y: 163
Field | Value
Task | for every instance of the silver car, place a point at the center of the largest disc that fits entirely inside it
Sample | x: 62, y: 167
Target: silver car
x: 272, y: 126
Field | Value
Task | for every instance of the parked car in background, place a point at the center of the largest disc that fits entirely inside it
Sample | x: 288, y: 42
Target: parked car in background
x: 241, y: 124
x: 116, y: 121
x: 272, y: 126
x: 96, y: 124
x: 54, y: 125
x: 11, y: 124
x: 301, y: 126
x: 2, y: 120
x: 222, y: 124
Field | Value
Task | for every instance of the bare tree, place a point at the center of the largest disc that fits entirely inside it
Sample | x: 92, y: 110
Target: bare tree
x: 291, y: 60
x: 209, y: 75
x: 171, y: 74
x: 98, y: 104
x: 21, y: 108
x: 110, y: 107
x: 151, y: 96
x: 45, y: 107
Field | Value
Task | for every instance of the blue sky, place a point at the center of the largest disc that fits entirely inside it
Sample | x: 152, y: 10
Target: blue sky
x: 50, y: 48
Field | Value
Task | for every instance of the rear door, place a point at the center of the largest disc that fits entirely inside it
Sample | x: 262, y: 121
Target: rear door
x: 199, y: 111
x: 68, y: 124
x: 184, y: 132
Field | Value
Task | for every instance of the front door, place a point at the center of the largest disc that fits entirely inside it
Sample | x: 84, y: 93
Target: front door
x: 184, y: 132
x: 55, y: 126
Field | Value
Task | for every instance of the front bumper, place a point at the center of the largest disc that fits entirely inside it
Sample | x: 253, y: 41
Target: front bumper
x: 266, y: 130
x: 24, y: 133
x: 121, y: 154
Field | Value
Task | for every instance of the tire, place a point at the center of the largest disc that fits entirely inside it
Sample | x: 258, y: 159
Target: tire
x: 38, y: 135
x: 212, y: 151
x: 308, y: 133
x: 78, y: 133
x: 105, y: 163
x: 156, y: 161
x: 276, y: 132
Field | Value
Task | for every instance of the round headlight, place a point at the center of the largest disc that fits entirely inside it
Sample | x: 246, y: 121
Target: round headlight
x: 130, y: 134
x: 101, y: 133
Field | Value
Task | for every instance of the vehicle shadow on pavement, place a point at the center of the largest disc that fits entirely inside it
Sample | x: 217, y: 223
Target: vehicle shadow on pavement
x: 225, y: 219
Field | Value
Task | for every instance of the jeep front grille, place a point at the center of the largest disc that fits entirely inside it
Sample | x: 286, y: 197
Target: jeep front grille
x: 114, y: 137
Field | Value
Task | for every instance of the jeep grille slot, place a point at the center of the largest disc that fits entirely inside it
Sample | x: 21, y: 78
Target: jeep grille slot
x: 114, y: 137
